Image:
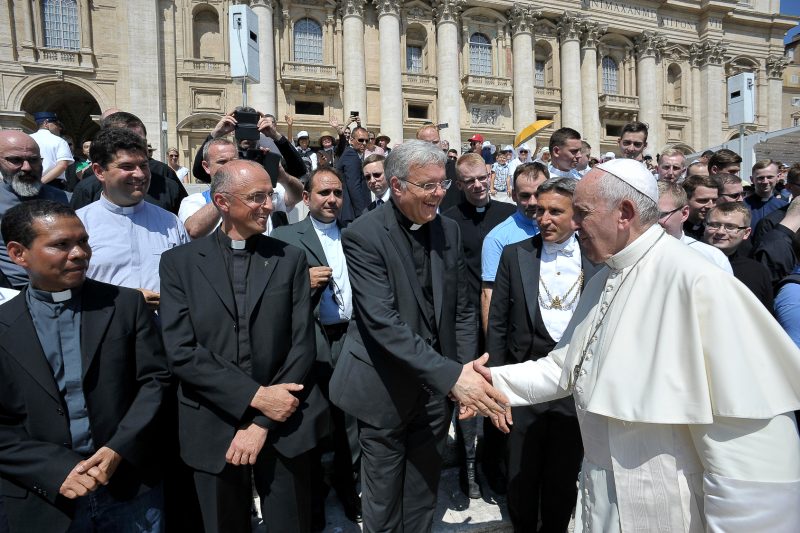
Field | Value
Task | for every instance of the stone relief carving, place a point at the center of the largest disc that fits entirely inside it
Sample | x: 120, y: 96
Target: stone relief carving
x: 448, y: 10
x: 569, y: 26
x: 592, y: 31
x: 484, y: 116
x: 707, y: 52
x: 776, y: 65
x: 351, y: 7
x: 649, y: 43
x: 387, y: 7
x: 522, y: 18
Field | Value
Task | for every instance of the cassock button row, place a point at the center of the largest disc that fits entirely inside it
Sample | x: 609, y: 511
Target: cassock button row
x: 609, y: 288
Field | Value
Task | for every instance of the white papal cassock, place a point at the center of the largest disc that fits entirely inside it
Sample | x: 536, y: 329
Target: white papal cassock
x: 684, y: 397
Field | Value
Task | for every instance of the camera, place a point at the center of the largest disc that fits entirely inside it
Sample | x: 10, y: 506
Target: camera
x: 246, y: 126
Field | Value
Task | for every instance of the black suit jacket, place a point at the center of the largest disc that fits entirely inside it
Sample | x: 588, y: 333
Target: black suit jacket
x: 388, y: 364
x: 514, y: 310
x: 303, y: 236
x: 125, y: 381
x: 356, y: 193
x: 198, y: 323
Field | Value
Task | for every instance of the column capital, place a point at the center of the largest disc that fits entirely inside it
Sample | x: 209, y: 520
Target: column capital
x: 263, y: 3
x: 569, y: 27
x: 776, y: 65
x: 707, y: 52
x: 522, y: 18
x: 448, y: 10
x: 387, y: 7
x: 353, y: 8
x: 591, y: 32
x: 649, y: 43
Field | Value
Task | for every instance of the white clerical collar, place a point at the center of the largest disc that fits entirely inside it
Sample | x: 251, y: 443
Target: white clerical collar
x: 386, y: 195
x: 557, y: 172
x: 322, y: 226
x: 566, y: 248
x: 238, y: 245
x: 635, y: 250
x: 118, y: 209
x: 54, y: 297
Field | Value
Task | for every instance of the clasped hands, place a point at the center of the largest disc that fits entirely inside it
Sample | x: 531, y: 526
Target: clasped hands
x: 475, y: 394
x: 89, y: 474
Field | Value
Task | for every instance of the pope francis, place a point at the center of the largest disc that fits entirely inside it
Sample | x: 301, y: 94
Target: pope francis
x: 683, y: 382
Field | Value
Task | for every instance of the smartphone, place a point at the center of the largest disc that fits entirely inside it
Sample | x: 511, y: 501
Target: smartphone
x: 443, y: 125
x: 353, y: 113
x: 246, y: 126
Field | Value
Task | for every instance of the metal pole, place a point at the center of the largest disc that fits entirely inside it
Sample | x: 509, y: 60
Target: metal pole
x: 741, y: 140
x: 244, y: 92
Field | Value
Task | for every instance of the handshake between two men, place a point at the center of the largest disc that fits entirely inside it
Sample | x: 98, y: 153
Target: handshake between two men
x: 475, y: 394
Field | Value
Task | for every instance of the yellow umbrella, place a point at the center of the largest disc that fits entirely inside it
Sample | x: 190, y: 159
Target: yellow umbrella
x: 530, y: 130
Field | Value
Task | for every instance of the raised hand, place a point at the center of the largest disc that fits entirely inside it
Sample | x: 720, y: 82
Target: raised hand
x: 225, y: 126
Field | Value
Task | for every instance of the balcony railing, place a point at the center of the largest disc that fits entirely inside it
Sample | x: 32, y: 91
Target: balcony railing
x: 418, y: 81
x: 550, y: 94
x: 676, y: 110
x: 486, y: 89
x: 309, y: 78
x: 205, y: 65
x: 618, y: 106
x: 50, y: 55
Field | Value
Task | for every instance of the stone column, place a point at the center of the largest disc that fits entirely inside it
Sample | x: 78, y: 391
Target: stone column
x: 262, y: 94
x: 390, y: 68
x: 522, y: 19
x: 590, y: 92
x: 775, y: 67
x: 711, y: 98
x: 695, y: 59
x: 355, y: 76
x: 569, y: 32
x: 144, y: 76
x: 648, y: 45
x: 448, y: 78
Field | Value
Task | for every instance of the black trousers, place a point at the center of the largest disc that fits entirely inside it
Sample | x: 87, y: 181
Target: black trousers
x: 400, y: 470
x: 282, y: 483
x: 544, y: 456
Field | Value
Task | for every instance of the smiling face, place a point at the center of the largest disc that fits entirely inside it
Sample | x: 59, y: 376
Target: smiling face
x: 725, y: 238
x: 671, y: 167
x: 524, y: 193
x: 58, y: 257
x: 474, y: 181
x: 764, y: 180
x: 554, y: 216
x: 701, y: 201
x: 126, y: 178
x: 632, y: 144
x: 416, y: 204
x: 242, y: 212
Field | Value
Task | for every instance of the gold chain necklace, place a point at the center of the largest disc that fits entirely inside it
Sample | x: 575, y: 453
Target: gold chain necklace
x: 560, y: 302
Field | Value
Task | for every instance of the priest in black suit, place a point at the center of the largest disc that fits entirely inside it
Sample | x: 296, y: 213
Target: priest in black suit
x: 538, y: 284
x: 414, y: 329
x: 236, y: 315
x: 83, y: 378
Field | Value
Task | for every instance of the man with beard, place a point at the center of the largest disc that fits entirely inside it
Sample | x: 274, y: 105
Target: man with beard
x: 21, y: 169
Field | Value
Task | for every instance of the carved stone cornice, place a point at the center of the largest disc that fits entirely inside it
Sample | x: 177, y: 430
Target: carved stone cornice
x: 591, y: 32
x: 649, y: 43
x: 522, y: 18
x: 448, y: 10
x: 776, y: 65
x: 569, y: 27
x: 267, y: 3
x: 353, y: 8
x: 387, y: 7
x: 707, y: 52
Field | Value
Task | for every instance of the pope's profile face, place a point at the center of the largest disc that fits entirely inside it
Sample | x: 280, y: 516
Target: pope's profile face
x: 596, y: 221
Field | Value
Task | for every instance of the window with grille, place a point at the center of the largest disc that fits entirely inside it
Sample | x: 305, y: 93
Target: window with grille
x: 539, y: 75
x: 414, y: 59
x: 307, y: 41
x: 480, y: 55
x: 61, y: 24
x: 610, y: 73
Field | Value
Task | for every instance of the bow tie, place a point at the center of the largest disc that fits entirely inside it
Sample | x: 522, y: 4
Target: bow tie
x: 566, y: 248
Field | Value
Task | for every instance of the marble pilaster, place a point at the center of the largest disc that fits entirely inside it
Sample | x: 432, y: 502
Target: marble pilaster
x: 695, y: 59
x: 590, y: 91
x: 522, y: 19
x: 262, y: 94
x: 355, y: 76
x: 390, y: 67
x: 648, y: 45
x: 712, y: 55
x: 569, y: 33
x: 145, y: 72
x: 448, y: 75
x: 775, y: 66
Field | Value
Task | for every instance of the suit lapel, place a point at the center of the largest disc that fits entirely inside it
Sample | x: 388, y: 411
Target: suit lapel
x: 309, y: 238
x: 22, y: 343
x: 437, y: 266
x: 262, y: 265
x: 402, y: 248
x: 528, y: 261
x: 94, y: 322
x: 212, y: 267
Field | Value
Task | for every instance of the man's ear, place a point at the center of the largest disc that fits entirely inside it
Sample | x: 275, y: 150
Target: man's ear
x: 98, y: 172
x: 394, y: 184
x: 626, y: 212
x: 17, y: 253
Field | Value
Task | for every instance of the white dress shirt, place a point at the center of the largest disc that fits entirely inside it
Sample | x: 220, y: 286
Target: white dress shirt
x: 559, y: 270
x: 336, y: 305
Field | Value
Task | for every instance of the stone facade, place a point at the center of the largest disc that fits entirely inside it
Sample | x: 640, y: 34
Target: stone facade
x: 490, y: 67
x: 791, y: 85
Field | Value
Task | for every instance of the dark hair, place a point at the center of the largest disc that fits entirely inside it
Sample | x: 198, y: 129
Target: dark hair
x: 693, y: 182
x: 707, y: 153
x: 533, y: 168
x: 561, y: 136
x: 723, y: 158
x: 634, y: 127
x: 17, y: 223
x: 793, y: 177
x: 322, y: 170
x: 109, y: 141
x: 373, y: 158
x: 565, y: 186
x: 122, y: 119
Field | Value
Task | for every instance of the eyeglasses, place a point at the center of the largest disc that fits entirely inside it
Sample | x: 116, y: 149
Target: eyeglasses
x: 173, y: 156
x: 19, y: 161
x: 372, y: 175
x: 635, y: 144
x: 734, y: 196
x: 334, y: 288
x: 667, y: 214
x: 430, y: 188
x: 730, y: 228
x: 471, y: 182
x: 257, y: 198
x: 360, y: 141
x: 523, y: 151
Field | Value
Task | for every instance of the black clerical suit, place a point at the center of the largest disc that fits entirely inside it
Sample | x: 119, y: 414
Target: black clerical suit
x: 329, y: 341
x: 124, y: 382
x: 544, y: 448
x: 754, y: 275
x: 234, y: 320
x: 414, y: 326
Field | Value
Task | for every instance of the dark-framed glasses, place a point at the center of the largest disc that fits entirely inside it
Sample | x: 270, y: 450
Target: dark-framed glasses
x: 667, y: 214
x: 483, y: 180
x: 730, y: 228
x: 372, y: 175
x: 430, y: 188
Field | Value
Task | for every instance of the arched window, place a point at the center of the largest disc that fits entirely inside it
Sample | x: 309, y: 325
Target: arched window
x: 480, y: 55
x: 610, y: 75
x: 674, y: 92
x: 308, y: 41
x: 543, y: 65
x: 61, y: 24
x: 207, y: 38
x: 415, y: 50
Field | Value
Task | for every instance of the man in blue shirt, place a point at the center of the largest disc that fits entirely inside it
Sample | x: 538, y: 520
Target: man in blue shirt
x: 763, y: 200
